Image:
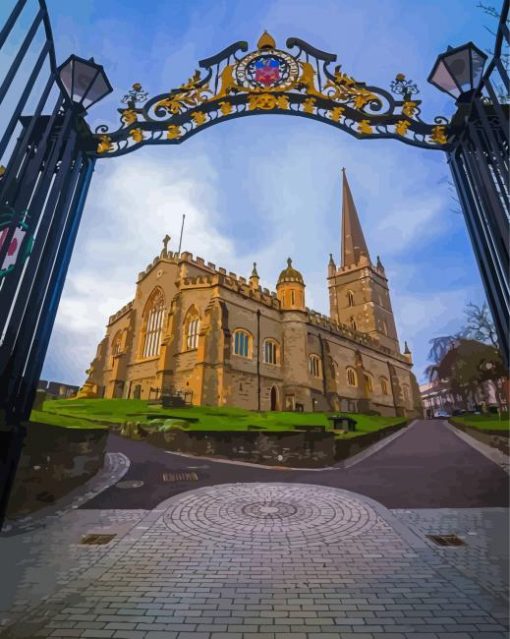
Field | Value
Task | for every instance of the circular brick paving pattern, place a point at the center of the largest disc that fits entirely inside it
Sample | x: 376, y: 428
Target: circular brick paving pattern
x: 265, y: 514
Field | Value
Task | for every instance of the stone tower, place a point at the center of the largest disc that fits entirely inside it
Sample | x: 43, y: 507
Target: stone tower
x: 358, y: 291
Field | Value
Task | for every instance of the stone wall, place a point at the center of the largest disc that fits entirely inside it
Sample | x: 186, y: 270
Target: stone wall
x: 53, y: 462
x: 298, y: 449
x: 286, y: 448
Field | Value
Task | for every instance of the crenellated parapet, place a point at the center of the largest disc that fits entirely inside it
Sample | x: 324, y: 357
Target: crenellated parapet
x: 125, y: 309
x: 343, y: 330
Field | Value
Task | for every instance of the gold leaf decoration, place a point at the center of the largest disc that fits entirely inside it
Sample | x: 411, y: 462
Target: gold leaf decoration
x: 282, y: 102
x: 128, y: 116
x: 344, y: 88
x: 365, y: 127
x: 401, y: 127
x: 439, y: 135
x: 226, y: 108
x: 337, y: 113
x: 198, y: 117
x: 137, y: 135
x: 309, y: 105
x: 263, y: 101
x: 409, y: 108
x: 363, y: 97
x: 173, y: 132
x: 105, y: 144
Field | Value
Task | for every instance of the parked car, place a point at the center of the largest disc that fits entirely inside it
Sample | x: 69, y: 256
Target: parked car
x: 441, y: 414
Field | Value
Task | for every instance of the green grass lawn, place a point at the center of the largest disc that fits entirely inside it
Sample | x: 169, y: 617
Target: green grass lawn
x: 100, y: 413
x: 488, y: 421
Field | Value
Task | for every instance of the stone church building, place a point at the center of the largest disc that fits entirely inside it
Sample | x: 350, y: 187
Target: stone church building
x: 219, y: 339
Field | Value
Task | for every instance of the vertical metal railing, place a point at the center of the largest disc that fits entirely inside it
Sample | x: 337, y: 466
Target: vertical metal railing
x: 479, y: 161
x: 43, y: 186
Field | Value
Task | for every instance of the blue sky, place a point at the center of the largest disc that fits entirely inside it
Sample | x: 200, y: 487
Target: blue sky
x: 263, y: 188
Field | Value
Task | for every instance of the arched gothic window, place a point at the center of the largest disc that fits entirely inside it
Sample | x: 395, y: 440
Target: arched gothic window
x: 350, y: 298
x: 314, y: 365
x: 271, y: 352
x: 242, y: 343
x: 116, y: 345
x: 352, y: 378
x: 369, y: 384
x: 153, y: 324
x: 384, y: 386
x: 191, y: 329
x: 353, y: 324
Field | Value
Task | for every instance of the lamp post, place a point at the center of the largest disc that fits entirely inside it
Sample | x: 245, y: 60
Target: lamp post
x: 478, y: 158
x: 45, y: 186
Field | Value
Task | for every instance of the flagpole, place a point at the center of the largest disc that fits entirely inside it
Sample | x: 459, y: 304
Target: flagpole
x: 182, y: 230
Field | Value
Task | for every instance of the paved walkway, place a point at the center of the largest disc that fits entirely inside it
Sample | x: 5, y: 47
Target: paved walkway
x: 266, y: 561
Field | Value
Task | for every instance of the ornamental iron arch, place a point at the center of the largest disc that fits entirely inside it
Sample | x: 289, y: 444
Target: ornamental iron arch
x: 297, y: 82
x: 47, y: 158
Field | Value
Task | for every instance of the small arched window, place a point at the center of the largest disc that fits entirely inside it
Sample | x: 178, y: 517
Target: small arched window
x: 292, y: 297
x: 314, y: 365
x: 352, y: 378
x: 352, y: 323
x: 242, y: 343
x: 384, y: 386
x: 191, y: 329
x: 384, y: 327
x: 271, y: 352
x: 369, y: 384
x: 350, y: 298
x: 152, y: 324
x: 116, y: 345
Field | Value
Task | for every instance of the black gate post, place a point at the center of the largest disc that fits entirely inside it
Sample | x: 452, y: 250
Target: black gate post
x: 42, y: 194
x: 478, y: 156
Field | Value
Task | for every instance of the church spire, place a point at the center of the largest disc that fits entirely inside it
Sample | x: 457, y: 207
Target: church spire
x: 353, y: 241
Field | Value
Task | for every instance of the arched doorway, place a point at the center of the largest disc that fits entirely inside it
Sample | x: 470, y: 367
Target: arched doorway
x: 274, y: 398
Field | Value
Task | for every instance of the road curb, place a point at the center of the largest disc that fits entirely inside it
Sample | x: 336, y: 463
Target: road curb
x: 116, y: 466
x: 495, y: 455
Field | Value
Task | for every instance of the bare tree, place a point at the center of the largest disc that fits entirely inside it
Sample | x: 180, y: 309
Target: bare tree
x: 480, y: 325
x: 491, y: 11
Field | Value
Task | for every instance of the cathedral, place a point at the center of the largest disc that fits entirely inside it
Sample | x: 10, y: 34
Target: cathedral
x: 218, y: 339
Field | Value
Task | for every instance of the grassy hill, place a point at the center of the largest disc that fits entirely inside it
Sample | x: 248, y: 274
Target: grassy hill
x: 102, y: 413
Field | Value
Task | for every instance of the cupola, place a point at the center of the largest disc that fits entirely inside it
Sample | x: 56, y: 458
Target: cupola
x: 290, y: 289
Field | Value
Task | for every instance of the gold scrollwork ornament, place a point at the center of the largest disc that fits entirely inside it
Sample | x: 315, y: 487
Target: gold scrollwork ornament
x: 173, y: 132
x: 226, y: 107
x: 401, y: 127
x: 136, y: 135
x: 365, y: 127
x: 438, y: 135
x: 105, y: 144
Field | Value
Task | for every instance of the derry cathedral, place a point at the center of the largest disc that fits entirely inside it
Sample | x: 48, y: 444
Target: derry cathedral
x: 218, y: 339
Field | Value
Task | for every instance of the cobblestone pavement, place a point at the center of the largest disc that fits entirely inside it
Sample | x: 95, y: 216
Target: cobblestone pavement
x: 485, y: 531
x: 267, y: 561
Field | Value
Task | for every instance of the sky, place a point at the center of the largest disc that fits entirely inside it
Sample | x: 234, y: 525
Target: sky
x: 261, y: 189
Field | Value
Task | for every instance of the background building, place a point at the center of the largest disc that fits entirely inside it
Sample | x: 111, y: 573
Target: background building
x: 219, y: 339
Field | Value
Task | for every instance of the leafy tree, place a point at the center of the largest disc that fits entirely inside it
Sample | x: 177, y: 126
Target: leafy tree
x: 469, y: 358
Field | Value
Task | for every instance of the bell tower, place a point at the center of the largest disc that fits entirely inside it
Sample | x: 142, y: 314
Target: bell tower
x: 358, y: 290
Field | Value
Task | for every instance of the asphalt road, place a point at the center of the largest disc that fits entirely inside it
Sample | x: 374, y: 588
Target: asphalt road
x: 425, y: 467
